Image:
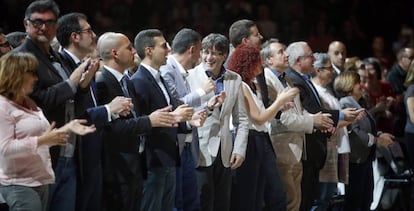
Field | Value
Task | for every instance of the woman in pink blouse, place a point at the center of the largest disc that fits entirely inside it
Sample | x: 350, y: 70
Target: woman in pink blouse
x: 26, y: 135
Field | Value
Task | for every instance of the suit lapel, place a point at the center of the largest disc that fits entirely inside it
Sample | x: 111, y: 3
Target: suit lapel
x: 146, y: 73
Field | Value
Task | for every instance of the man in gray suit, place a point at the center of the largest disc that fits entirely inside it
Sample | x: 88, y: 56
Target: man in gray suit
x: 218, y: 154
x: 186, y: 48
x: 289, y: 127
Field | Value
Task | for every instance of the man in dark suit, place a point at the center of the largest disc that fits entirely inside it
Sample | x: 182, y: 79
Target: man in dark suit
x: 54, y: 92
x: 78, y: 40
x: 301, y: 66
x: 121, y: 137
x: 161, y: 148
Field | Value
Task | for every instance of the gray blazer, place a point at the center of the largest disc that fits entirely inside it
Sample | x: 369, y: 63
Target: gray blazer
x: 215, y: 132
x: 176, y: 82
x: 361, y: 131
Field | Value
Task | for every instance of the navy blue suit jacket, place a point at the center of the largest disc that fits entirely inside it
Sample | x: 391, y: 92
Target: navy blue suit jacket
x: 161, y: 147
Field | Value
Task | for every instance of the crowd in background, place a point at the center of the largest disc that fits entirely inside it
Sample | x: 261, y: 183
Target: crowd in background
x: 354, y: 22
x: 235, y: 120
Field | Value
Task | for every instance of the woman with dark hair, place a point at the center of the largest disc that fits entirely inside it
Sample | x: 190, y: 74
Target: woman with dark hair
x: 363, y: 139
x: 260, y: 167
x: 378, y: 95
x: 26, y: 135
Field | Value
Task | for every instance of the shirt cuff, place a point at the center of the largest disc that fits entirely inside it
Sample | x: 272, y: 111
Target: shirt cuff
x: 109, y: 113
x: 341, y: 115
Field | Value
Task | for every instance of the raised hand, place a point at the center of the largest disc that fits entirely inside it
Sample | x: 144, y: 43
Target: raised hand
x: 287, y: 95
x: 52, y: 136
x: 163, y: 118
x: 120, y: 105
x: 209, y: 85
x: 78, y: 126
x: 198, y: 118
x: 216, y: 101
x: 322, y: 121
x: 183, y: 113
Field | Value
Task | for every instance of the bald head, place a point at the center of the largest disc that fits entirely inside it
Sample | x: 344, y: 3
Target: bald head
x: 337, y: 53
x: 116, y: 50
x: 106, y: 43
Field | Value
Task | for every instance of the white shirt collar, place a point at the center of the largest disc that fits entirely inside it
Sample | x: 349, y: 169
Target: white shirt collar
x: 155, y: 73
x: 114, y: 72
x: 75, y: 58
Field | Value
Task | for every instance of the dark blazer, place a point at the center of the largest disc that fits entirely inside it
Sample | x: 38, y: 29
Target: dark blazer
x: 89, y: 147
x: 315, y: 142
x: 122, y: 162
x: 161, y: 145
x: 50, y: 91
x: 359, y: 137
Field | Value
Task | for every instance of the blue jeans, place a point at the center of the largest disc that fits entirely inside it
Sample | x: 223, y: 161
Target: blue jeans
x: 186, y: 195
x: 159, y: 189
x: 62, y: 194
x: 25, y: 198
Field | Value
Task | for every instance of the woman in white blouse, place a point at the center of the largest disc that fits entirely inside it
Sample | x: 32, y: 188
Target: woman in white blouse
x: 26, y: 135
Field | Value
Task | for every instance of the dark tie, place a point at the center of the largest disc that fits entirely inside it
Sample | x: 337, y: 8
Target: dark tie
x: 283, y: 80
x: 315, y: 92
x: 124, y: 87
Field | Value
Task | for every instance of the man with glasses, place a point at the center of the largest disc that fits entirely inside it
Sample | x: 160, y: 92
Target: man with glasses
x: 218, y: 153
x: 288, y: 127
x: 301, y: 66
x: 78, y: 41
x: 54, y: 92
x: 161, y: 147
x: 5, y: 46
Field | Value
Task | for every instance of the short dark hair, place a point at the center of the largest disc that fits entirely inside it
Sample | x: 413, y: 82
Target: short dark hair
x: 239, y: 30
x: 67, y: 24
x: 145, y: 38
x: 16, y: 38
x: 376, y: 64
x: 184, y: 39
x: 217, y: 41
x: 42, y: 6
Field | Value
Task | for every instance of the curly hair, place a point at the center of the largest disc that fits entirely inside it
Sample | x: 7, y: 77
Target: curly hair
x: 245, y: 61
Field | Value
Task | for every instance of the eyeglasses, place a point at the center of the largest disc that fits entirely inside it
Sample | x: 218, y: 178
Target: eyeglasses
x: 5, y: 44
x: 38, y: 23
x: 88, y: 30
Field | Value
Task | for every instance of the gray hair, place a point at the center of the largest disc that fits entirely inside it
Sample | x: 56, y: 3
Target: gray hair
x: 320, y: 60
x: 295, y: 50
x: 266, y: 52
